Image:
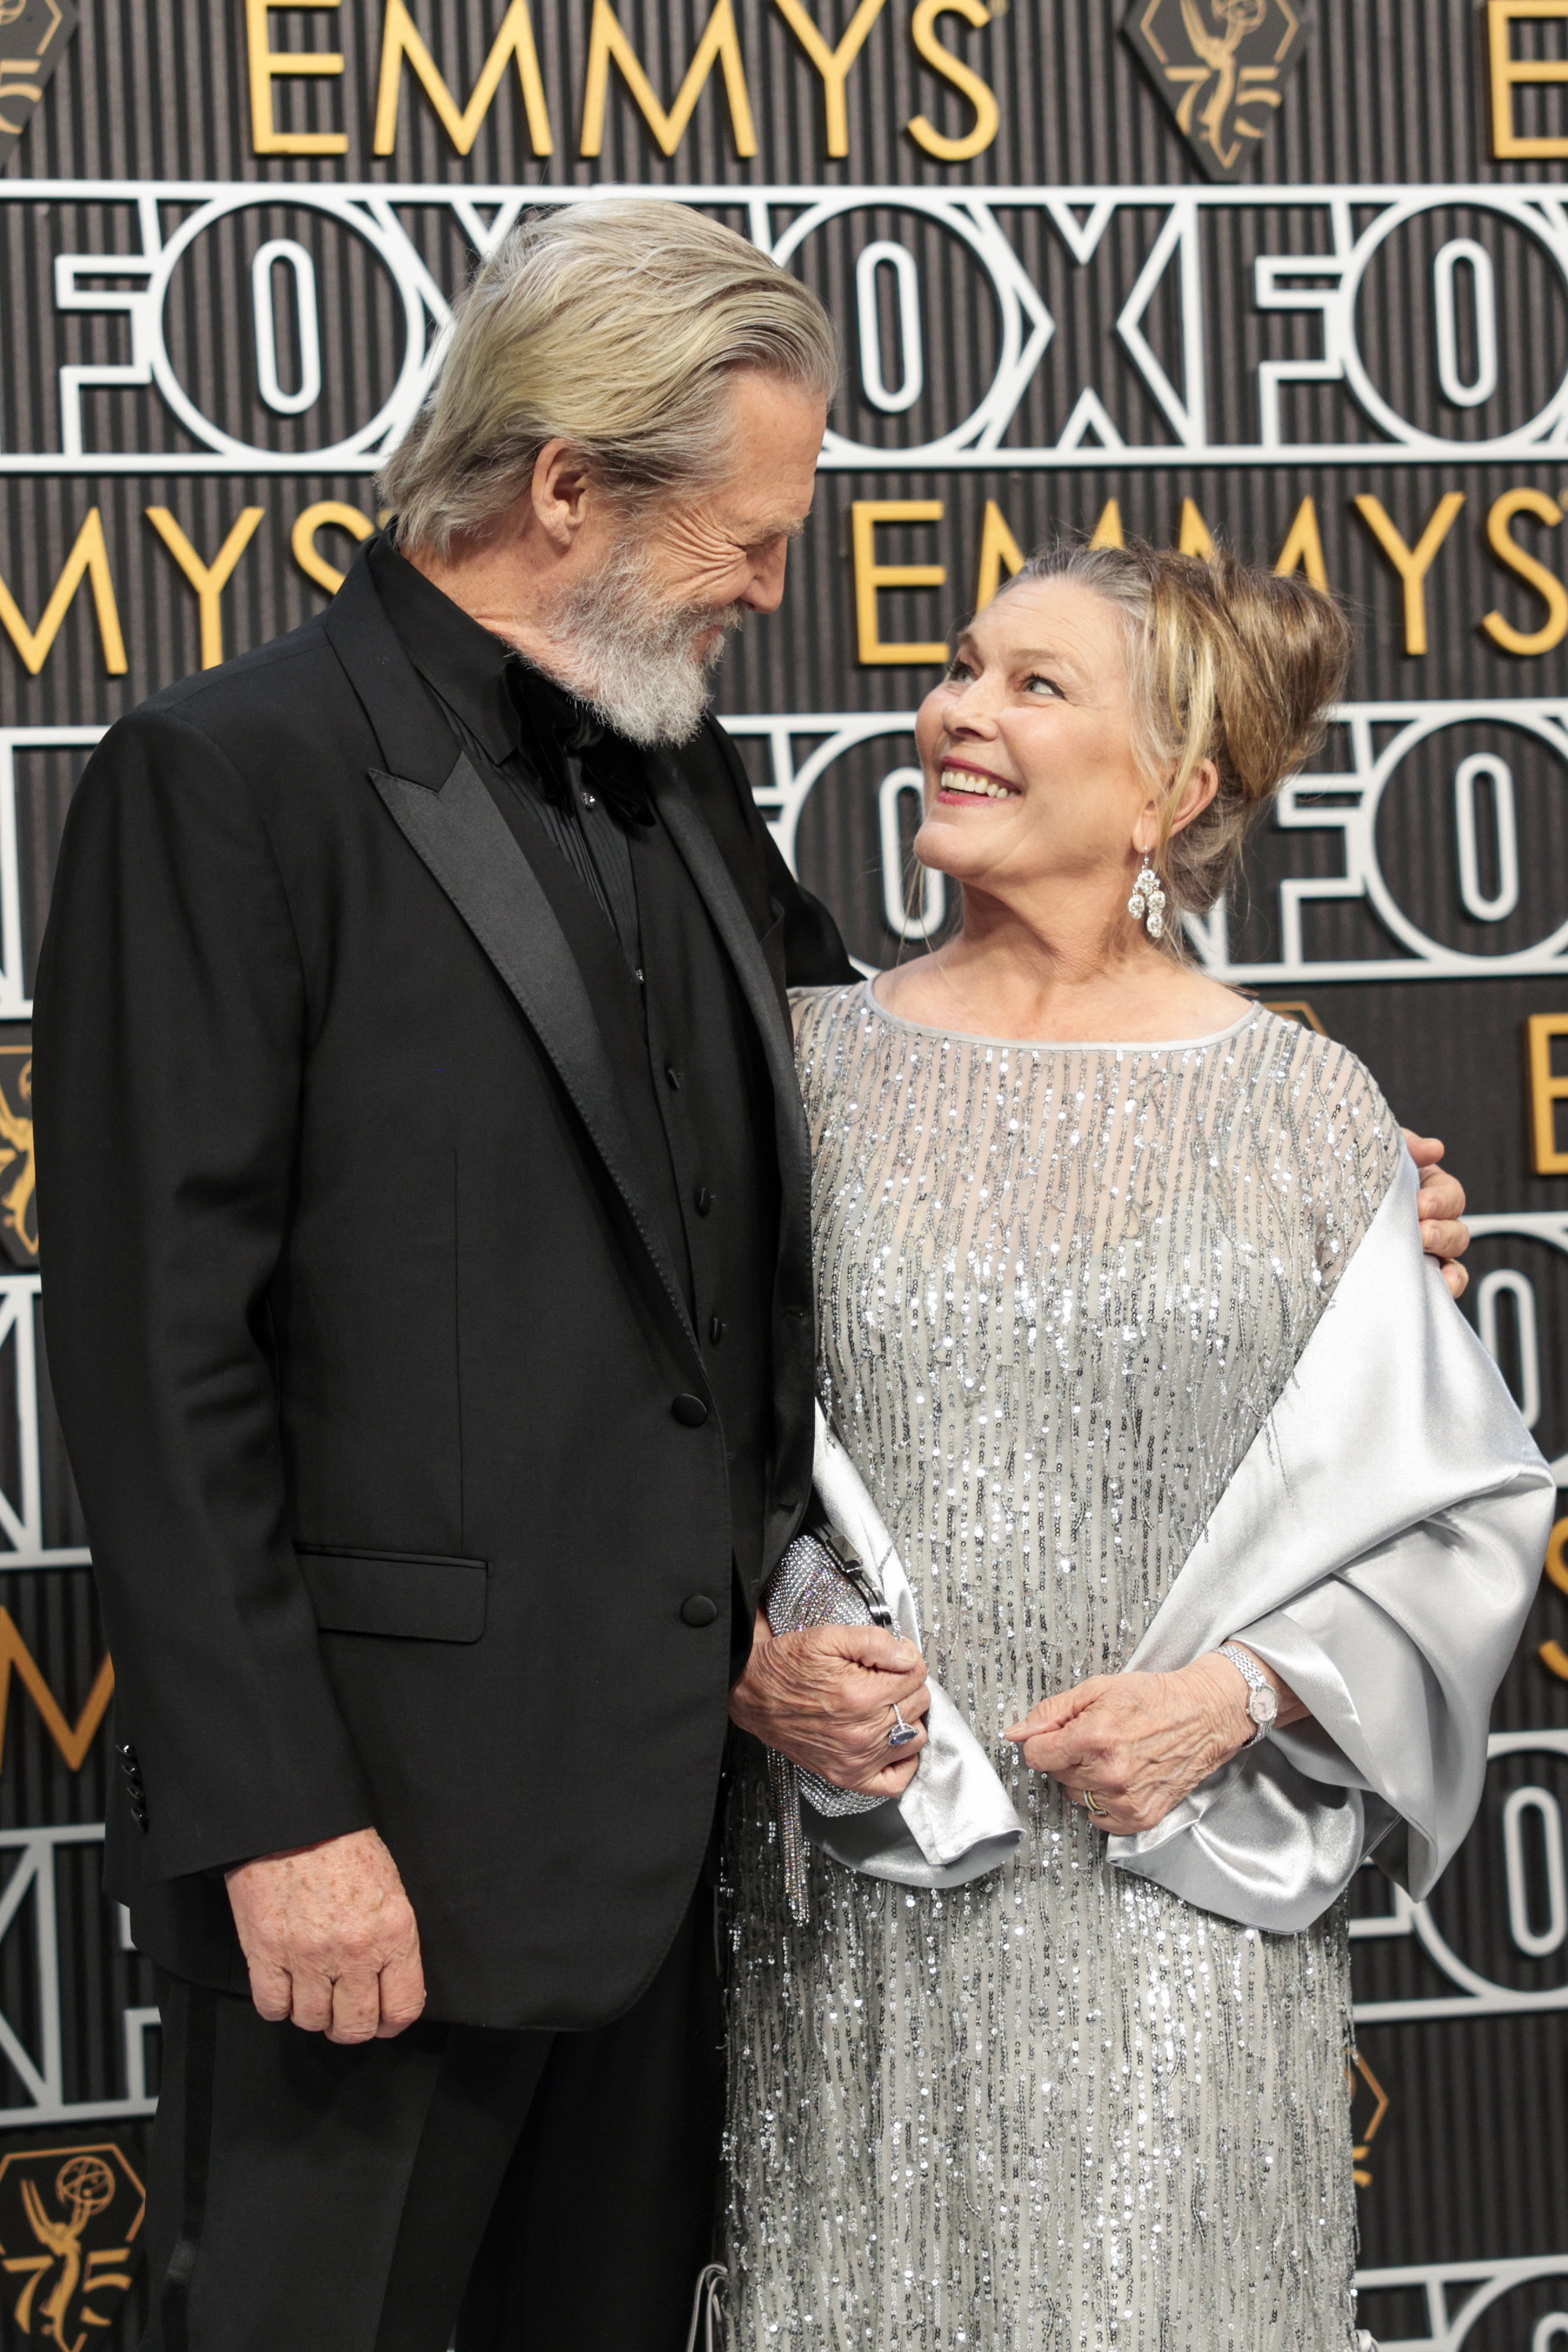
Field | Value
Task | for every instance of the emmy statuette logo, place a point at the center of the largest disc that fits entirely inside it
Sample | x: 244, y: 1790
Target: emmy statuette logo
x: 68, y: 2219
x: 1220, y: 66
x: 19, y: 1201
x: 33, y: 38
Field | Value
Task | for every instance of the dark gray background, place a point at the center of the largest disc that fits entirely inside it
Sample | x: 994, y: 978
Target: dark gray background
x: 1471, y: 2161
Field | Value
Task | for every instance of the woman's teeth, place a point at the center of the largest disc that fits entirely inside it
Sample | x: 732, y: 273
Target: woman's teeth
x: 962, y: 780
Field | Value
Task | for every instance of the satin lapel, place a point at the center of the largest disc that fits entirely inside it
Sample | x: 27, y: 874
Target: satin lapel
x: 688, y: 830
x: 416, y: 740
x: 464, y: 841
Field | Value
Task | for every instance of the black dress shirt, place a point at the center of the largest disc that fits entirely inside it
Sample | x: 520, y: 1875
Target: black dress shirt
x: 581, y: 804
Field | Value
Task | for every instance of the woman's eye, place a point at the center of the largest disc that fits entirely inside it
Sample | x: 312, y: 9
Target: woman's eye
x: 958, y: 670
x: 1044, y: 687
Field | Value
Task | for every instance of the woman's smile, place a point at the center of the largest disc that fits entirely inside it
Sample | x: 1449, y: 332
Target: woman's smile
x: 960, y: 780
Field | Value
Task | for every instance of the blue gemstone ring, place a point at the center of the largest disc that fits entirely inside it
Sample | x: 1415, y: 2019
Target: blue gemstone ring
x: 901, y: 1733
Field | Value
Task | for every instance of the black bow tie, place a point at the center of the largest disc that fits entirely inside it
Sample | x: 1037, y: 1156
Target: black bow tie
x: 562, y: 735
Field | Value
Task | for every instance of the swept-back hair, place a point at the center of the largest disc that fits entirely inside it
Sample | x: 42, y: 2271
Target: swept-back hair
x: 617, y: 326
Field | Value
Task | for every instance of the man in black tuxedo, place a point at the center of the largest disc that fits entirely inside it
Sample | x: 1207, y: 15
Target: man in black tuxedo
x: 426, y: 1202
x: 425, y: 1215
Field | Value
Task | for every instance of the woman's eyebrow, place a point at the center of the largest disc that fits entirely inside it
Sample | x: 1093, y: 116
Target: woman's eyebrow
x: 1046, y: 657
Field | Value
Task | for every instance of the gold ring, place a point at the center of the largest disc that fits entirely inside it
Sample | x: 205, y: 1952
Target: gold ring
x: 1092, y: 1801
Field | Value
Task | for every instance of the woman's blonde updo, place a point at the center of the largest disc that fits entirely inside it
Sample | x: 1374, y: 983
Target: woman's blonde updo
x: 1226, y: 662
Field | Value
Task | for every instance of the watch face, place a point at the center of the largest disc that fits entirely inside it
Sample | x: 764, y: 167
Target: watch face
x: 1263, y: 1705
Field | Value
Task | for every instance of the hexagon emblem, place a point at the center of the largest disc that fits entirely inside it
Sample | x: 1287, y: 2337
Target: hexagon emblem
x: 69, y: 2220
x: 1220, y: 66
x: 33, y: 35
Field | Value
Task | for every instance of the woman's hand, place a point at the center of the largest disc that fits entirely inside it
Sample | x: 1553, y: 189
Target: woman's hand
x: 826, y: 1698
x: 1139, y: 1743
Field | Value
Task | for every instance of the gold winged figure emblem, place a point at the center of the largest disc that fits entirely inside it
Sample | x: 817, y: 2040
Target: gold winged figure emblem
x: 82, y: 2207
x: 1219, y: 65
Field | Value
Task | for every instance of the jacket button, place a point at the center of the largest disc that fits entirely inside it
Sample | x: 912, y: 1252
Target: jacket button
x: 701, y: 1200
x: 698, y: 1609
x: 715, y: 1328
x: 689, y: 1411
x: 673, y: 1078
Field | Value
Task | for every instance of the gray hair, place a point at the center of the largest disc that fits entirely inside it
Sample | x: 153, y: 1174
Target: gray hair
x: 616, y: 327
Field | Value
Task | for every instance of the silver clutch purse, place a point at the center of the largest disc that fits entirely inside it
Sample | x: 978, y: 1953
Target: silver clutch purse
x: 819, y: 1580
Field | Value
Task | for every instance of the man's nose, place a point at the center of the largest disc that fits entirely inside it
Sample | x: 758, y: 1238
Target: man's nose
x: 765, y: 590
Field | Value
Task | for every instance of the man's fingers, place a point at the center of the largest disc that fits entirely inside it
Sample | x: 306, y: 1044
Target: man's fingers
x: 356, y: 2005
x: 1457, y: 1280
x: 1440, y: 1195
x: 271, y: 1990
x: 402, y: 1994
x: 1444, y: 1237
x: 1425, y: 1150
x: 312, y: 2007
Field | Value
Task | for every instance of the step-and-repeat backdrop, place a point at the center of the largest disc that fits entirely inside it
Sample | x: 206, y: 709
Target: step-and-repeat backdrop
x: 1293, y: 275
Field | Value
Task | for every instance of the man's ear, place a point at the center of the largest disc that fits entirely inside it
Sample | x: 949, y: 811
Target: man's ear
x: 560, y: 492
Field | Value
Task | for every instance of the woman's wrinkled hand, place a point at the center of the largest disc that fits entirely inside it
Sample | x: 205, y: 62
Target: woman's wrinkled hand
x: 1138, y: 1742
x: 825, y: 1699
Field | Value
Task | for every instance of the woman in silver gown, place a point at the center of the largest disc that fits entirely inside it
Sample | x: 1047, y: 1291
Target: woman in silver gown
x: 1092, y: 1314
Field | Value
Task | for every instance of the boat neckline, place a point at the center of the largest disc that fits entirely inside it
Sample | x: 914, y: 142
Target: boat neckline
x: 1057, y: 1044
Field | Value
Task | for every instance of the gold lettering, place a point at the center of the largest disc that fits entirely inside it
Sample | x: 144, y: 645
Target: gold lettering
x: 1546, y: 584
x: 269, y: 65
x: 73, y: 1740
x: 1508, y: 71
x: 997, y: 547
x: 988, y: 114
x: 1412, y: 564
x: 1108, y: 531
x: 401, y: 41
x: 1303, y: 548
x: 1196, y: 539
x: 1546, y: 1091
x: 208, y: 580
x: 833, y: 65
x: 720, y: 43
x: 1552, y: 1656
x: 331, y: 514
x: 89, y: 556
x: 872, y: 577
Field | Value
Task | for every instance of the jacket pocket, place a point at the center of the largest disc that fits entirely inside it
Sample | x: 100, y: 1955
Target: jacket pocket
x: 421, y: 1596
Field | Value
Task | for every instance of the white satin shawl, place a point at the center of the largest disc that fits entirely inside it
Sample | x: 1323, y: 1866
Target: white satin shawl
x: 1379, y: 1546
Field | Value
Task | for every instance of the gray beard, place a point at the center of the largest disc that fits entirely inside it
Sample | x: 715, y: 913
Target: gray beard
x: 632, y: 658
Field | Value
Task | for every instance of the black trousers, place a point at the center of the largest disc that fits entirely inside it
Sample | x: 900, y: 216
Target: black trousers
x: 509, y: 2192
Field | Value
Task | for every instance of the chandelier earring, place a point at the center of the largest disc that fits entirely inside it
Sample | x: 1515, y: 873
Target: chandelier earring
x: 1148, y: 901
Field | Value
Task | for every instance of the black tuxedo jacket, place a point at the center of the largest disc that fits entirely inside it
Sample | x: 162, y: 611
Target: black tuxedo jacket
x: 389, y: 1421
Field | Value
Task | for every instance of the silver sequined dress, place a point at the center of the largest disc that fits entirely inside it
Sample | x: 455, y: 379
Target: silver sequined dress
x: 1060, y: 1288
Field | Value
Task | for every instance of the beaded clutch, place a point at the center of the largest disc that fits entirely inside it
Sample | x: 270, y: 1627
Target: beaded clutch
x: 818, y: 1581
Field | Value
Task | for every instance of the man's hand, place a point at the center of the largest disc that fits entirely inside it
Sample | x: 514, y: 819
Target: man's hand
x: 825, y: 1699
x: 1441, y: 1206
x: 330, y: 1938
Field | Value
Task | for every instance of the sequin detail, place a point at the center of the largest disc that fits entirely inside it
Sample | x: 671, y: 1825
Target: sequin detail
x: 1061, y: 1289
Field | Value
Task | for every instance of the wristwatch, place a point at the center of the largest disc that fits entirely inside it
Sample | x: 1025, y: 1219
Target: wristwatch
x: 1262, y: 1698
